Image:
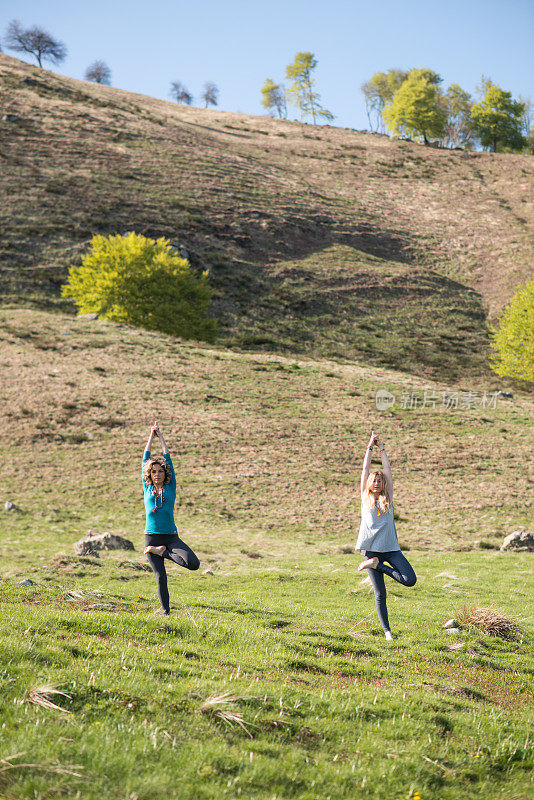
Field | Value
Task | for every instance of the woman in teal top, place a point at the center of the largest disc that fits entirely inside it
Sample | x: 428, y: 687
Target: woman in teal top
x: 377, y: 538
x: 161, y: 537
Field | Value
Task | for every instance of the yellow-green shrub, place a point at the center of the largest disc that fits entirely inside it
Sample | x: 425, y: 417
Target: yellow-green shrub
x: 513, y: 341
x: 142, y: 282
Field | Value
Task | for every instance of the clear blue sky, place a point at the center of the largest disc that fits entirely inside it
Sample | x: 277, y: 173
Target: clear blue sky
x: 239, y: 43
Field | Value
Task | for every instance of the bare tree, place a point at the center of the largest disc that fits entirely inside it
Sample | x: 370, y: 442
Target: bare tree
x: 35, y: 41
x: 98, y: 72
x: 179, y: 93
x: 210, y: 95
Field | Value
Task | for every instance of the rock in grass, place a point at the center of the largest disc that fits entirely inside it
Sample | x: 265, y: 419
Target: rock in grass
x: 26, y: 582
x: 93, y: 542
x: 73, y: 595
x: 520, y: 541
x: 88, y: 317
x: 451, y: 624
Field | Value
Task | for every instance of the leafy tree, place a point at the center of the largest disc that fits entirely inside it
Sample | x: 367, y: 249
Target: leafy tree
x: 35, y: 41
x: 273, y: 97
x: 530, y: 141
x: 180, y: 93
x: 142, y: 282
x: 459, y: 127
x: 98, y: 72
x: 301, y: 92
x: 498, y: 120
x: 210, y: 95
x: 418, y: 107
x: 513, y: 341
x: 379, y: 91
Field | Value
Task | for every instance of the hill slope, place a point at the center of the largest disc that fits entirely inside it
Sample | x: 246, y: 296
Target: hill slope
x: 265, y: 444
x: 281, y: 632
x: 267, y: 451
x: 322, y: 241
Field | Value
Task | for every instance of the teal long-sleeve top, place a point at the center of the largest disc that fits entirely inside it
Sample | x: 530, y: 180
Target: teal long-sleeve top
x: 160, y: 514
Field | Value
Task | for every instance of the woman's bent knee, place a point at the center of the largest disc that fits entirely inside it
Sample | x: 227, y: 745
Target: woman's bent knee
x: 193, y: 562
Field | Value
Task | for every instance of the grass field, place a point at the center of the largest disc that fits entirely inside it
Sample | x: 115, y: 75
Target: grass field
x: 271, y: 678
x: 302, y: 695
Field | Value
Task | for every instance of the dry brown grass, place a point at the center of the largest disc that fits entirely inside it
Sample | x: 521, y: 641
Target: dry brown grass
x: 220, y: 706
x: 11, y: 763
x: 280, y: 458
x: 243, y: 192
x: 489, y: 620
x: 40, y: 696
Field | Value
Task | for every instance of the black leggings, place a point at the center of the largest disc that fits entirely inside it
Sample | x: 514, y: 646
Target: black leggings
x: 401, y: 571
x: 176, y: 551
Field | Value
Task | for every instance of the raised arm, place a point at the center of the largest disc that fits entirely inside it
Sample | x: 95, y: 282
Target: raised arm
x: 164, y: 448
x: 165, y: 451
x: 386, y: 468
x: 146, y: 454
x: 367, y: 461
x: 151, y: 435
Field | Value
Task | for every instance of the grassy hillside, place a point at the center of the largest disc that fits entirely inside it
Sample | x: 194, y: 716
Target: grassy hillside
x: 342, y: 264
x: 322, y: 242
x: 263, y: 443
x: 271, y: 678
x: 280, y: 635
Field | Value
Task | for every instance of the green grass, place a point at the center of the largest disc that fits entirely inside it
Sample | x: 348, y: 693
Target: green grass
x: 328, y: 708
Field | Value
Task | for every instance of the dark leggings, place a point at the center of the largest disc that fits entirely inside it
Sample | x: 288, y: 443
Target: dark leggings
x: 176, y: 551
x: 401, y: 570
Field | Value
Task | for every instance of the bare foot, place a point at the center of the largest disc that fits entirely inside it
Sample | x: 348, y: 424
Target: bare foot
x: 153, y: 549
x: 369, y: 563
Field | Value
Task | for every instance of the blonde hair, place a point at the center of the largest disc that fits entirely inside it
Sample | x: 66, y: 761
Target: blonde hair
x: 384, y: 500
x: 147, y: 468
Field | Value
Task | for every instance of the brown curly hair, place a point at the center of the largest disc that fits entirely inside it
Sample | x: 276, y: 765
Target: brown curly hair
x: 147, y: 477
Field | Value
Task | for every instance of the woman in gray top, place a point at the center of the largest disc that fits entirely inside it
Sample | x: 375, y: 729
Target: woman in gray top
x: 377, y: 539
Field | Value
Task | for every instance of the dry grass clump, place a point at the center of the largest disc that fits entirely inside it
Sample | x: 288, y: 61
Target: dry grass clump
x: 40, y: 696
x: 219, y: 706
x: 489, y: 620
x: 10, y: 763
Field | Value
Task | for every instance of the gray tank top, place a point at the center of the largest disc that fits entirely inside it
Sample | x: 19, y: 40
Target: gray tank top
x: 377, y: 530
